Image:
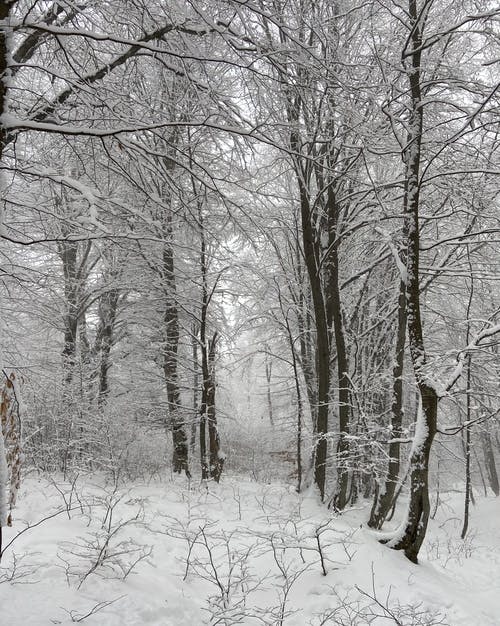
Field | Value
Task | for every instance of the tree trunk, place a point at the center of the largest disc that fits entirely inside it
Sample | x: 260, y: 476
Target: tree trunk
x: 269, y: 370
x: 414, y: 527
x: 307, y: 356
x: 413, y: 530
x: 385, y: 496
x: 108, y: 306
x: 216, y: 457
x: 211, y: 468
x: 208, y: 418
x: 322, y: 335
x: 468, y: 487
x: 5, y: 7
x: 171, y: 325
x: 489, y: 460
x: 196, y: 382
x: 68, y: 253
x: 334, y: 317
x: 298, y: 398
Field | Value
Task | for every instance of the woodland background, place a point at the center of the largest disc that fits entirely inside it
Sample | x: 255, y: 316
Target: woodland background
x: 255, y: 236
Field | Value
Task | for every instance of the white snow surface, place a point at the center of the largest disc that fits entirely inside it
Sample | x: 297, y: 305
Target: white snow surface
x: 235, y: 553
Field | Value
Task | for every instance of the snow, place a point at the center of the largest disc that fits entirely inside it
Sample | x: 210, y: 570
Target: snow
x: 399, y: 264
x: 4, y: 483
x: 236, y: 553
x: 490, y: 331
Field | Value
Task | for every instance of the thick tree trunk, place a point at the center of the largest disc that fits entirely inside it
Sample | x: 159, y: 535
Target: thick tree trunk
x: 413, y: 530
x: 414, y: 527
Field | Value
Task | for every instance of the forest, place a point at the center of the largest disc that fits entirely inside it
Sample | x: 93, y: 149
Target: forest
x: 250, y: 321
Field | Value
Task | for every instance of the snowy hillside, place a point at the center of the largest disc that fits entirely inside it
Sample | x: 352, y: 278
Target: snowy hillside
x: 167, y: 554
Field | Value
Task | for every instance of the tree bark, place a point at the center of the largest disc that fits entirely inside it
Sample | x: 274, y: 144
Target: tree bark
x: 108, y: 306
x: 322, y: 343
x: 384, y: 498
x: 413, y: 530
x: 171, y: 325
x: 269, y: 370
x: 216, y: 457
x: 489, y: 460
x: 5, y: 8
x: 334, y: 318
x: 213, y: 467
x: 194, y: 350
x: 68, y: 253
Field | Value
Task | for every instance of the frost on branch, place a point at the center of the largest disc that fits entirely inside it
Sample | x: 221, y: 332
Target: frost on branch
x: 10, y: 449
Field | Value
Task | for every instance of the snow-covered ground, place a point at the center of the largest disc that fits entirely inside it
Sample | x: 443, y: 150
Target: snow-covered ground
x: 238, y: 553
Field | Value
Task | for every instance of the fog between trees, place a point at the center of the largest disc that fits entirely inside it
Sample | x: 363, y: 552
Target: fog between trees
x: 254, y: 236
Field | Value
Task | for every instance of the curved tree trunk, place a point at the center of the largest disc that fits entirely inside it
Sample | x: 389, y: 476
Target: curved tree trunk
x: 414, y: 527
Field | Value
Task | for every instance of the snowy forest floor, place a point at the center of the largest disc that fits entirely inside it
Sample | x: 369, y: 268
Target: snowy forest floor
x: 238, y: 553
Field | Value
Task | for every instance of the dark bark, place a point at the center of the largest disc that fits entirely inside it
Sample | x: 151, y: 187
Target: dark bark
x: 307, y: 358
x: 68, y: 253
x: 334, y: 318
x: 467, y: 445
x: 216, y: 457
x: 467, y: 432
x: 194, y: 423
x: 489, y: 461
x: 214, y: 466
x: 419, y: 507
x: 5, y: 8
x: 171, y: 326
x: 322, y: 343
x: 299, y: 425
x: 47, y: 111
x: 298, y: 393
x: 311, y: 258
x: 74, y: 257
x: 385, y: 495
x: 108, y: 308
x: 56, y: 13
x: 415, y: 525
x: 269, y: 370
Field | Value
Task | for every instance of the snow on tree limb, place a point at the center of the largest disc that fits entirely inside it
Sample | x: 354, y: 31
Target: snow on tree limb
x: 463, y: 354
